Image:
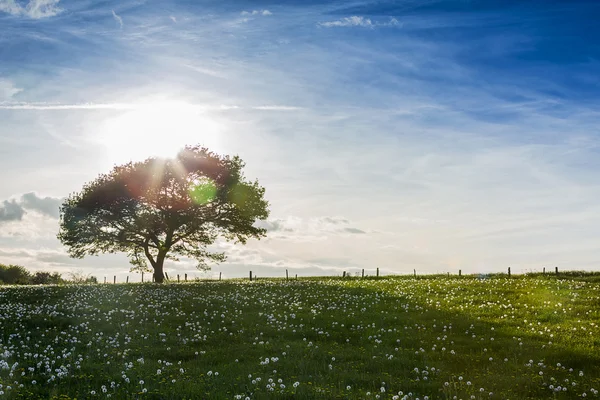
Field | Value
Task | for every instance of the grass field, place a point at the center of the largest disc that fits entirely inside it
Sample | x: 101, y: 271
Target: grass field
x: 436, y: 337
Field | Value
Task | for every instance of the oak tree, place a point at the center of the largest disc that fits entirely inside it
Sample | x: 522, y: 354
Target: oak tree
x: 161, y: 209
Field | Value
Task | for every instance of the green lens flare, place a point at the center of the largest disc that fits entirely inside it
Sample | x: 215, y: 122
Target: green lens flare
x: 203, y: 193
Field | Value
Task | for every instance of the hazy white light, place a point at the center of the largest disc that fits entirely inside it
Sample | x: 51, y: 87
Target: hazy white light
x: 157, y: 129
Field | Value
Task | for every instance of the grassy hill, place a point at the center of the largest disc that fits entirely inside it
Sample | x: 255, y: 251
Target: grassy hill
x: 486, y: 337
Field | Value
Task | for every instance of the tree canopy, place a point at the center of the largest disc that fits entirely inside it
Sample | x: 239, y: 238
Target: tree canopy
x: 161, y: 209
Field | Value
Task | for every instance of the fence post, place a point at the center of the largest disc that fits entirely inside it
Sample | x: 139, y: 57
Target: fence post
x: 286, y: 275
x: 544, y: 272
x: 127, y: 280
x: 509, y: 272
x: 220, y: 275
x: 114, y: 279
x: 363, y: 272
x: 185, y: 277
x: 556, y: 269
x: 415, y: 272
x: 104, y: 279
x: 460, y: 272
x: 344, y: 274
x: 296, y: 276
x: 250, y: 276
x: 378, y: 272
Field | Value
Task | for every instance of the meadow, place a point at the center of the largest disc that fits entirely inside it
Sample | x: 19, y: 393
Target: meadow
x: 433, y: 337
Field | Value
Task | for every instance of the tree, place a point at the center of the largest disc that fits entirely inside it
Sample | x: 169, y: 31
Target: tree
x: 46, y: 278
x: 14, y: 275
x: 161, y: 209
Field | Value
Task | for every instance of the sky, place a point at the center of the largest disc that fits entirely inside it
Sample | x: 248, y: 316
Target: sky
x: 414, y: 134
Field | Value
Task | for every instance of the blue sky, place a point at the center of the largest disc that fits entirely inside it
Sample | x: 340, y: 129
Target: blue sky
x: 434, y: 135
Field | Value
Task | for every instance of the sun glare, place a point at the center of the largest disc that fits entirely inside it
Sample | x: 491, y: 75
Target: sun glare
x: 157, y: 129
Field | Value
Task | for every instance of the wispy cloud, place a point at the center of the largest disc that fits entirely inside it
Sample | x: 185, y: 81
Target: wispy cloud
x: 35, y: 9
x: 135, y: 106
x: 8, y: 90
x: 117, y: 18
x: 308, y: 229
x: 358, y: 21
x: 257, y: 12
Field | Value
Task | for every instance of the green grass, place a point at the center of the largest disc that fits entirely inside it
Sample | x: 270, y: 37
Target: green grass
x: 440, y: 337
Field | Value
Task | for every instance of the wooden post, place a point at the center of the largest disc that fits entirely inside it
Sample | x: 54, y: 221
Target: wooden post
x: 448, y: 274
x: 127, y: 280
x: 250, y: 276
x: 415, y: 272
x: 363, y: 272
x: 509, y: 272
x: 142, y: 277
x: 114, y: 279
x: 296, y: 276
x: 344, y: 274
x: 544, y: 272
x: 104, y: 279
x: 556, y: 270
x: 185, y: 277
x: 378, y: 272
x: 460, y: 272
x: 286, y: 275
x: 221, y: 273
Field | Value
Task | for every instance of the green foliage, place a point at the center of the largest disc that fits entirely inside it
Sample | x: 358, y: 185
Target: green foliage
x: 14, y: 275
x: 46, y: 278
x: 161, y: 209
x: 19, y: 275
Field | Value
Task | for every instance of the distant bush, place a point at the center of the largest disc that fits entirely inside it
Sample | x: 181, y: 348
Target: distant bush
x: 19, y: 275
x: 14, y: 275
x: 46, y: 278
x: 80, y: 277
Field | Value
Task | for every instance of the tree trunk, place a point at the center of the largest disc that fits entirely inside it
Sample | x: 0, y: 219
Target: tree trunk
x: 159, y: 276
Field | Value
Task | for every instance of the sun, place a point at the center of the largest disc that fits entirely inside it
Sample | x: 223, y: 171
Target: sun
x: 158, y: 129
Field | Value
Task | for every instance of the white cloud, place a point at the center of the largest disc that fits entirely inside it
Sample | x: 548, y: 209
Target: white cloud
x: 117, y: 18
x: 173, y: 18
x: 8, y: 90
x: 136, y: 106
x: 11, y: 7
x: 308, y: 229
x: 35, y: 9
x: 257, y: 12
x: 358, y: 21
